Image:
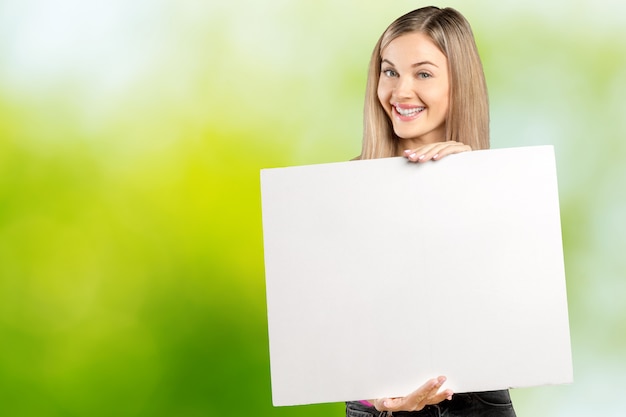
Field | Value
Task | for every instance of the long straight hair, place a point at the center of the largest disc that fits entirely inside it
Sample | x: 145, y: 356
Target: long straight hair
x: 467, y: 120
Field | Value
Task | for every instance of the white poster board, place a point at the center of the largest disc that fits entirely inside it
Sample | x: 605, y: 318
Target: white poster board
x: 381, y: 274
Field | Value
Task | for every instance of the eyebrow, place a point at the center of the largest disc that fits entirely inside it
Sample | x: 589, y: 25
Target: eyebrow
x: 417, y: 64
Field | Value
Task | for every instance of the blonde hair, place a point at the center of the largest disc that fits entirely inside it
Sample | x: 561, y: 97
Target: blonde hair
x: 468, y: 113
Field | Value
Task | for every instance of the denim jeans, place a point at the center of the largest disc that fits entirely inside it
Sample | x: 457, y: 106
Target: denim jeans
x: 474, y: 404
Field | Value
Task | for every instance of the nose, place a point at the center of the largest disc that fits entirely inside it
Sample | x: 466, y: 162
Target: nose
x: 403, y: 87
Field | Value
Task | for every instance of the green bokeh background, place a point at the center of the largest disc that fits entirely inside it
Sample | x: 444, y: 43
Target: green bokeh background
x: 131, y: 138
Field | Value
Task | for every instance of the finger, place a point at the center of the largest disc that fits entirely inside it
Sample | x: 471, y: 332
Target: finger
x: 443, y: 395
x: 421, y: 154
x: 435, y: 151
x: 445, y: 148
x: 451, y: 148
x: 390, y: 404
x: 426, y: 391
x: 425, y: 395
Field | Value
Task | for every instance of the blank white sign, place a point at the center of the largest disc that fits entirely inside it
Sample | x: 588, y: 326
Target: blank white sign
x: 381, y: 274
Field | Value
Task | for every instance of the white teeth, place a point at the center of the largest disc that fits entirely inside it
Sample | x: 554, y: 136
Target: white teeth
x: 409, y: 112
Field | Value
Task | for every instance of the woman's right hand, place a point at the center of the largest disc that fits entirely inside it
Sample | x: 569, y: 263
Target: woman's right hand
x: 427, y: 394
x: 435, y: 151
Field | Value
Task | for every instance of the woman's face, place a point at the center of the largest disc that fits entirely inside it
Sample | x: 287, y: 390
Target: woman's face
x: 413, y: 89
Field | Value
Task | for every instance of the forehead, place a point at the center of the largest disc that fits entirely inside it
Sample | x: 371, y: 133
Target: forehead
x: 412, y: 48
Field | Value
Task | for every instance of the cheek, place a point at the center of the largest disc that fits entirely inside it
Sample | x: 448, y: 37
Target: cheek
x: 439, y: 97
x: 445, y: 93
x: 383, y: 90
x: 382, y: 98
x: 445, y: 101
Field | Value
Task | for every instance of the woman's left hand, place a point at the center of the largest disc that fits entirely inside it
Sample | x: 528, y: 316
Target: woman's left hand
x: 435, y: 151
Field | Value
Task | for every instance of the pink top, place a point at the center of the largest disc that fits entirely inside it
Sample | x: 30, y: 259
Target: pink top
x: 366, y: 403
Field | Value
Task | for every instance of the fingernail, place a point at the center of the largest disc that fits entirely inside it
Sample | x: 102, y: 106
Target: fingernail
x: 412, y: 156
x: 421, y: 157
x: 435, y: 156
x: 407, y: 151
x: 386, y: 403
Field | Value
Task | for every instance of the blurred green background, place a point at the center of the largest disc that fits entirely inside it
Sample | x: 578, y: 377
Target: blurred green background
x: 131, y: 138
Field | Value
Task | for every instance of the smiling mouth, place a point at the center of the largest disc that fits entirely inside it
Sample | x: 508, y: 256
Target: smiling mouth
x: 409, y: 112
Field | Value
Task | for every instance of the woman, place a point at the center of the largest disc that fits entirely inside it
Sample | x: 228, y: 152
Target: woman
x: 426, y: 98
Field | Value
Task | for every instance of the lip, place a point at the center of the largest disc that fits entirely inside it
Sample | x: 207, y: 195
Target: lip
x: 404, y: 107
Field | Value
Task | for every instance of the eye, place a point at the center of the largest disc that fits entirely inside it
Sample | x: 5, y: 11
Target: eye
x: 390, y: 73
x: 423, y: 75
